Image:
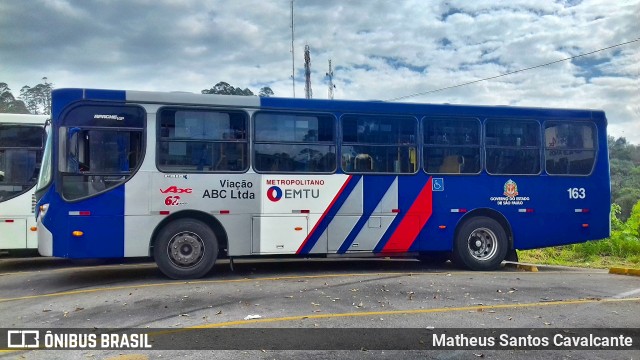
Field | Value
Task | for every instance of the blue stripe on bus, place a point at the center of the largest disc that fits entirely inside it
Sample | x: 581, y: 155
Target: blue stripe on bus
x: 330, y: 214
x: 64, y: 97
x: 113, y: 95
x: 434, y: 110
x: 374, y: 189
x: 103, y: 229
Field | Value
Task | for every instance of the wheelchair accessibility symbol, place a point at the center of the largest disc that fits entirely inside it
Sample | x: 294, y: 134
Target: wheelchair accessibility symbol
x: 437, y: 184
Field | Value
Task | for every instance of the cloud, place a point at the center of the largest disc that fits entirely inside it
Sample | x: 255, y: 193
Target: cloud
x: 379, y: 49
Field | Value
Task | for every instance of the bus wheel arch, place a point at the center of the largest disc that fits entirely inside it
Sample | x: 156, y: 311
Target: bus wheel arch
x: 196, y: 232
x: 482, y: 240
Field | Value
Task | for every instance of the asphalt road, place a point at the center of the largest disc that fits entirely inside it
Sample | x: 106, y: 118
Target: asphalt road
x: 313, y: 294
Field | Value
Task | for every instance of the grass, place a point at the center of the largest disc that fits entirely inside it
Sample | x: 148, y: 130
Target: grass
x: 593, y: 254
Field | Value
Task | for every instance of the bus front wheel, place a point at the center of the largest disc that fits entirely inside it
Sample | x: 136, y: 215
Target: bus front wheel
x: 481, y: 244
x: 185, y: 249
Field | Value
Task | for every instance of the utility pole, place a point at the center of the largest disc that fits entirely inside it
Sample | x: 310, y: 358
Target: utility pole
x: 307, y: 73
x: 293, y: 61
x: 331, y: 85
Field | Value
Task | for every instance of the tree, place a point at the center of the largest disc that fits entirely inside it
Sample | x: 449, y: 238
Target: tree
x: 38, y: 98
x: 223, y: 88
x: 624, y: 166
x: 8, y: 103
x: 619, y: 148
x: 266, y: 92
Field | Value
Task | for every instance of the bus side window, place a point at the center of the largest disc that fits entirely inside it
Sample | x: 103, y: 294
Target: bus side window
x: 516, y: 149
x: 98, y: 159
x: 200, y: 140
x: 294, y: 142
x: 452, y: 146
x: 73, y: 162
x: 379, y: 144
x: 569, y: 148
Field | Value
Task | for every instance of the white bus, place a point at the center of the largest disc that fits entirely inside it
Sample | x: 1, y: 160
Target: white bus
x: 21, y: 145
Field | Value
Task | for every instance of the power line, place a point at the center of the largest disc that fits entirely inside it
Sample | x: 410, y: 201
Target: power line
x: 512, y: 72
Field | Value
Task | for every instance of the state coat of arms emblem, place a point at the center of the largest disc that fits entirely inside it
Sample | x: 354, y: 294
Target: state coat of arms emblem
x: 510, y: 189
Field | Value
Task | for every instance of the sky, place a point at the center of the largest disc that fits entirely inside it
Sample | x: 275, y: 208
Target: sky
x: 379, y: 49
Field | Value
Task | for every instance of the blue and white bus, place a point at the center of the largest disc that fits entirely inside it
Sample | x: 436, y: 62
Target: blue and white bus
x: 190, y: 178
x: 21, y: 145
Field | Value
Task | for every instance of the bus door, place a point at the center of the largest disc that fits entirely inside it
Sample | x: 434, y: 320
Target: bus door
x: 100, y: 149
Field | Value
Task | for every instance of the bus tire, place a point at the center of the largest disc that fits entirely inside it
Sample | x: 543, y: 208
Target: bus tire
x: 481, y: 244
x: 185, y: 249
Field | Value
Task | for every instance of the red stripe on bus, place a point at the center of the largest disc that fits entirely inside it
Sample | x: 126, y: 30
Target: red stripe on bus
x: 407, y: 232
x: 326, y: 211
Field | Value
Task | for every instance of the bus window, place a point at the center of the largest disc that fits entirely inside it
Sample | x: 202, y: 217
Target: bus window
x: 512, y: 147
x: 569, y: 147
x: 451, y: 145
x: 98, y: 159
x: 202, y: 141
x: 294, y: 142
x: 379, y: 144
x: 20, y: 157
x: 21, y: 136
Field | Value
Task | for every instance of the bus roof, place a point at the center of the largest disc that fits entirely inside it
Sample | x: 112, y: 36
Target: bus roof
x: 370, y: 106
x: 23, y: 118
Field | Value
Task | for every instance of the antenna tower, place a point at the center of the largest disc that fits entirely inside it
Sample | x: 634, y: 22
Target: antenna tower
x: 307, y: 73
x: 331, y: 85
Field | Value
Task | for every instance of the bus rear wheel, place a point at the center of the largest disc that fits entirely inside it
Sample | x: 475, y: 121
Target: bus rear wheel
x: 185, y: 249
x: 481, y: 244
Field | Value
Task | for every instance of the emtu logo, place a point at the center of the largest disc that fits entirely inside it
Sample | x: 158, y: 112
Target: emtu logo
x: 274, y: 193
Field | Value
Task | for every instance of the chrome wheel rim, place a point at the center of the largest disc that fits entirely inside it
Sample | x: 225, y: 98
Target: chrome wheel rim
x: 185, y: 249
x: 482, y: 244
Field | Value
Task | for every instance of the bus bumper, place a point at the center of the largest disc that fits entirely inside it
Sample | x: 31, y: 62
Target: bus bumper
x: 45, y: 239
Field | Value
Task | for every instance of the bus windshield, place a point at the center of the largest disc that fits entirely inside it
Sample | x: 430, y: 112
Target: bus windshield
x: 20, y: 154
x: 45, y: 172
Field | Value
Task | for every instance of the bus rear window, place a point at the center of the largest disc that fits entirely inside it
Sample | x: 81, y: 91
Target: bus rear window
x: 570, y: 147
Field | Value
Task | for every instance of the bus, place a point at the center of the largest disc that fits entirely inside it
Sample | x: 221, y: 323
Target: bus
x: 189, y: 178
x: 22, y: 138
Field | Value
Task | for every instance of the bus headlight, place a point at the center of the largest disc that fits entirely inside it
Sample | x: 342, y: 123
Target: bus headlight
x: 42, y: 210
